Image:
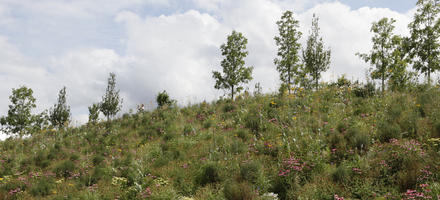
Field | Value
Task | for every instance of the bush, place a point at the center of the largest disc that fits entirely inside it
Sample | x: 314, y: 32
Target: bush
x: 238, y: 191
x: 340, y: 174
x: 358, y: 137
x: 163, y: 99
x: 237, y: 147
x: 250, y: 171
x: 242, y: 134
x: 364, y: 91
x: 436, y: 132
x: 209, y: 173
x: 65, y: 169
x: 97, y: 160
x: 387, y: 131
x: 96, y: 175
x: 229, y: 107
x: 252, y: 121
x: 40, y: 160
x: 41, y: 188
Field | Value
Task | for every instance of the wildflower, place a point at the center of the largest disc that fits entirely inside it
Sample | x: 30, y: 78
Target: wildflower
x: 418, y: 105
x: 184, y: 166
x: 1, y: 179
x: 271, y: 195
x: 294, y: 118
x: 120, y: 150
x: 336, y: 197
x: 146, y: 193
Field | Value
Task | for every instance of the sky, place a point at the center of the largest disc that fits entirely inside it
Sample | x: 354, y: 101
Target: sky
x: 172, y: 45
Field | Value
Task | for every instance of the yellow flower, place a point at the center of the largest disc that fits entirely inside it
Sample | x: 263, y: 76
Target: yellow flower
x: 418, y: 105
x: 294, y: 118
x: 70, y: 184
x: 54, y: 191
x: 119, y: 150
x: 1, y: 179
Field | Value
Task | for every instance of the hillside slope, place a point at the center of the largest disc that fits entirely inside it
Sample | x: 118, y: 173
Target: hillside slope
x: 335, y: 143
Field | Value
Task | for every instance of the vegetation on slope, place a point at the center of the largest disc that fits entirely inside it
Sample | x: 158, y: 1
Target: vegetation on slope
x: 340, y: 142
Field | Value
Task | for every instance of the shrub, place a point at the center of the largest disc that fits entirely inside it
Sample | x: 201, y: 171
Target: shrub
x: 96, y: 175
x: 97, y: 159
x: 358, y: 137
x: 284, y: 187
x: 340, y: 174
x: 387, y: 131
x: 242, y: 134
x: 229, y: 107
x: 187, y: 129
x: 237, y: 147
x: 41, y: 188
x: 40, y: 160
x: 250, y: 171
x: 252, y: 121
x: 65, y: 168
x: 364, y: 91
x: 74, y: 157
x: 208, y: 123
x: 238, y: 191
x: 436, y: 132
x: 163, y: 99
x: 209, y: 173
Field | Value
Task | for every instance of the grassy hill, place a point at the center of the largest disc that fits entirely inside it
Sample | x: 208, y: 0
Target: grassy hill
x: 341, y: 142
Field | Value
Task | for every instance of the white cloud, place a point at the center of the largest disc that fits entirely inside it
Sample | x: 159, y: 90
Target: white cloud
x: 347, y: 32
x: 174, y: 53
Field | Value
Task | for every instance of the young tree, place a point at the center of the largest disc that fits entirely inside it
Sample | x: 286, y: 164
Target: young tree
x: 234, y: 71
x: 111, y: 102
x: 425, y: 32
x: 163, y: 99
x: 60, y: 113
x: 399, y: 77
x: 288, y: 64
x: 316, y: 58
x: 94, y: 113
x: 19, y: 119
x: 381, y: 56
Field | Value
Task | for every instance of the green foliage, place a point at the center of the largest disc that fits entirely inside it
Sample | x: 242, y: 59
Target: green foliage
x: 111, y: 102
x: 364, y: 90
x: 42, y: 188
x: 65, y: 168
x: 163, y: 99
x: 238, y: 191
x: 288, y: 64
x: 250, y: 171
x: 340, y: 174
x: 60, y: 113
x: 424, y: 40
x: 316, y: 58
x: 234, y: 71
x: 94, y: 113
x: 20, y: 119
x: 337, y: 140
x: 386, y: 55
x: 208, y: 173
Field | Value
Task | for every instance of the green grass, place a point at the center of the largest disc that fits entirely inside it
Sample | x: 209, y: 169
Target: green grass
x: 308, y: 145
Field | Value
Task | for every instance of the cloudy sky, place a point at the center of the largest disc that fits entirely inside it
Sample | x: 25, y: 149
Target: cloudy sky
x: 172, y: 45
